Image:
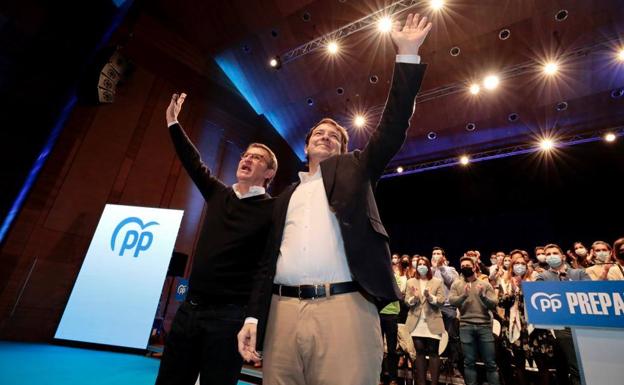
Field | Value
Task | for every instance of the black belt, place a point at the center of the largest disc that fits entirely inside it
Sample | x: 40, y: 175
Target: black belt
x: 315, y: 291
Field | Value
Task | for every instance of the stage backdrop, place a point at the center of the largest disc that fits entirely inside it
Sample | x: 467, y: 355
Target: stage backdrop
x: 115, y: 296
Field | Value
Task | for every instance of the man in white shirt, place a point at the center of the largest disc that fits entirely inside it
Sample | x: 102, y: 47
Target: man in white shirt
x: 327, y: 263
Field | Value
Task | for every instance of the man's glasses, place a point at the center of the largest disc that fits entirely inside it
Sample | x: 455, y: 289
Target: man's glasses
x: 254, y: 157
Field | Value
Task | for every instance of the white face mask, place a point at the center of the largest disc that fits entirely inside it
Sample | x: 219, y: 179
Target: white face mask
x: 582, y: 252
x: 493, y: 261
x: 506, y: 264
x: 414, y: 264
x: 395, y: 261
x: 541, y: 257
x: 602, y: 256
x: 554, y: 260
x: 519, y: 269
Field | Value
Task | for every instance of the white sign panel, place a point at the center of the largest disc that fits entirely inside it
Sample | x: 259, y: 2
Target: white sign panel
x: 116, y: 294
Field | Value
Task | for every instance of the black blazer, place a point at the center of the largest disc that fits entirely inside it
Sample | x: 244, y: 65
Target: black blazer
x: 349, y: 180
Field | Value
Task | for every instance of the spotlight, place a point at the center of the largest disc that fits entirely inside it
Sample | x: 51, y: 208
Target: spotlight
x: 475, y: 89
x: 436, y: 5
x: 620, y: 55
x: 547, y: 144
x: 384, y: 24
x: 399, y: 169
x: 551, y: 68
x: 464, y: 160
x: 275, y: 62
x: 610, y: 137
x: 332, y: 47
x: 491, y: 82
x: 359, y: 121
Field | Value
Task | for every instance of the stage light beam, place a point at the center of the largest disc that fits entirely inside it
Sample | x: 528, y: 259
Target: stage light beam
x: 437, y: 5
x: 475, y: 89
x: 332, y: 47
x: 359, y: 121
x: 551, y: 68
x: 384, y: 25
x: 491, y: 82
x: 620, y: 55
x: 547, y: 144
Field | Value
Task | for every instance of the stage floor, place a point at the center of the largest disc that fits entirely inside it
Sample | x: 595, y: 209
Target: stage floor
x: 36, y: 364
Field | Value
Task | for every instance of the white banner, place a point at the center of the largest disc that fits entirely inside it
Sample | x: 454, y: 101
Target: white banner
x: 116, y: 294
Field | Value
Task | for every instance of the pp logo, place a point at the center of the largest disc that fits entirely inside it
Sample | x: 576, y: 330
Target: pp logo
x: 546, y: 301
x: 182, y: 289
x: 133, y: 240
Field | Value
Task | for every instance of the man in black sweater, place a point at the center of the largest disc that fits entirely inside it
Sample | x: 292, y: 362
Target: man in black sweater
x: 202, y: 339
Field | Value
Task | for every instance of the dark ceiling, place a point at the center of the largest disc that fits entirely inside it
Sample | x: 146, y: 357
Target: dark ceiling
x: 242, y: 35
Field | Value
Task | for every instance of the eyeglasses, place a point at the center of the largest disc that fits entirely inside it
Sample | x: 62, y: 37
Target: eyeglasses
x: 254, y: 157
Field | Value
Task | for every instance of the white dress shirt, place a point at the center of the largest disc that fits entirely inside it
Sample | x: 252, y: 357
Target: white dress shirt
x: 312, y: 249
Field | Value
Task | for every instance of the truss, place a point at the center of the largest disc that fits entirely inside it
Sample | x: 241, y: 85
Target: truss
x: 502, y: 152
x: 349, y: 29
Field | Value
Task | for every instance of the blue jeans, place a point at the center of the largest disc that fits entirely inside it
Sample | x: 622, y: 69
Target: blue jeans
x: 478, y: 340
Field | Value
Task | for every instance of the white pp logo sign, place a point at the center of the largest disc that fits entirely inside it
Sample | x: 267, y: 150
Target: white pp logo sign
x: 116, y: 294
x: 542, y: 301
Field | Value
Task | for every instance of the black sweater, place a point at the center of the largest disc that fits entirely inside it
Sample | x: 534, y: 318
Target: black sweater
x: 232, y: 236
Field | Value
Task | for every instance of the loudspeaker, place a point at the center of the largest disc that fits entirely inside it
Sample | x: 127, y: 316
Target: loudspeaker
x: 177, y: 264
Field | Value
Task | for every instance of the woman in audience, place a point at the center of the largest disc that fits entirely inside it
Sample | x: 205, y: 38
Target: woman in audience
x: 579, y: 257
x: 514, y: 334
x: 616, y: 273
x: 424, y: 295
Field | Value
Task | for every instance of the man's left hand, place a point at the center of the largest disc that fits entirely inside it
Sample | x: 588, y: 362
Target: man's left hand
x: 411, y: 36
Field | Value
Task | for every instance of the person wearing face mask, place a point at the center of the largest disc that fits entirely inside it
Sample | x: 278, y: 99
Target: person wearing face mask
x: 496, y: 278
x: 475, y: 300
x: 514, y: 334
x: 424, y: 295
x: 405, y: 265
x: 616, y: 272
x: 601, y: 257
x: 447, y: 274
x: 389, y: 320
x: 559, y: 271
x: 578, y: 257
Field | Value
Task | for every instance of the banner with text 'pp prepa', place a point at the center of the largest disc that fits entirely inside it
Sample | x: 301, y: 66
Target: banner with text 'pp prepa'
x: 575, y: 303
x: 116, y: 294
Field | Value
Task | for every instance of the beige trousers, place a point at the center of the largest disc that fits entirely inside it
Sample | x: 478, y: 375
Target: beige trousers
x: 329, y: 341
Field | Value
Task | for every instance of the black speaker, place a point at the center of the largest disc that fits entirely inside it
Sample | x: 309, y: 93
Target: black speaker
x: 177, y: 264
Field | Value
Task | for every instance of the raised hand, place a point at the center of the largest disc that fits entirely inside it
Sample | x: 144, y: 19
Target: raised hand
x: 174, y: 107
x: 410, y: 36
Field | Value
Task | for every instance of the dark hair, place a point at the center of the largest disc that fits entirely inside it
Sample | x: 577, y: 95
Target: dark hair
x: 515, y: 251
x: 553, y: 245
x: 466, y: 258
x: 344, y: 135
x: 617, y: 245
x: 441, y: 249
x: 271, y: 162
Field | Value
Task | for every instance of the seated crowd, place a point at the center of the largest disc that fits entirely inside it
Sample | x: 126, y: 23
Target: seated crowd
x: 477, y: 315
